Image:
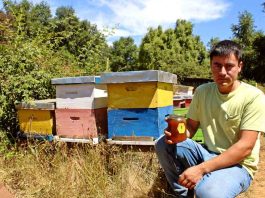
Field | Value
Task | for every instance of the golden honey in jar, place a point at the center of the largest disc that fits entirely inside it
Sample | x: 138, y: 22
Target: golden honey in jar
x: 177, y: 128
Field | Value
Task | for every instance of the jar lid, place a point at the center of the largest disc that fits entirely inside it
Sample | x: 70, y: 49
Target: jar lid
x: 175, y: 116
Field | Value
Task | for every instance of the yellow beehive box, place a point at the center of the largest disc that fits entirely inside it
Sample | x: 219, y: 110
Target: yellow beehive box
x: 140, y: 95
x: 36, y: 117
x: 139, y: 89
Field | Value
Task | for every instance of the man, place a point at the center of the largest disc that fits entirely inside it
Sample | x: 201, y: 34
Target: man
x: 231, y: 115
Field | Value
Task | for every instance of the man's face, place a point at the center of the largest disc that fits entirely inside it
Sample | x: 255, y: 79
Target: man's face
x: 225, y: 70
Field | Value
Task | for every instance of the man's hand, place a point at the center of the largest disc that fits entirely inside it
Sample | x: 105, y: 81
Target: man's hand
x: 191, y: 176
x: 168, y: 135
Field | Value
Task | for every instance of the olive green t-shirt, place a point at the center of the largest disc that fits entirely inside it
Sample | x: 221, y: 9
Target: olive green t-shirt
x: 222, y: 116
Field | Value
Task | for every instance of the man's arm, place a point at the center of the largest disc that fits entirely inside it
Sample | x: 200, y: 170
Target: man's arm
x: 234, y: 155
x: 192, y: 127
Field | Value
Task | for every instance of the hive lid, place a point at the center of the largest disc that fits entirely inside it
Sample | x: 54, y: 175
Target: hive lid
x: 182, y: 97
x: 48, y: 104
x: 76, y: 80
x: 138, y: 76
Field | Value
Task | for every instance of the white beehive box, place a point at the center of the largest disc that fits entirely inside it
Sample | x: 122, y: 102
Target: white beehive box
x: 85, y: 92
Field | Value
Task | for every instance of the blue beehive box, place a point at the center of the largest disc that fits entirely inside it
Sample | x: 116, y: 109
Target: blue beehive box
x: 140, y: 122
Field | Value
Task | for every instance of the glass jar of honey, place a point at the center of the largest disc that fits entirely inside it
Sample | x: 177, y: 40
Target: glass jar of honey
x: 177, y: 128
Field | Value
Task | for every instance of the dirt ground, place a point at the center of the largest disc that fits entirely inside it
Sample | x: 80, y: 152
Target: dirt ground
x: 4, y: 193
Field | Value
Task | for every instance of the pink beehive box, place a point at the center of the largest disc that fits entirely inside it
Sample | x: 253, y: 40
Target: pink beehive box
x: 81, y: 108
x: 81, y: 123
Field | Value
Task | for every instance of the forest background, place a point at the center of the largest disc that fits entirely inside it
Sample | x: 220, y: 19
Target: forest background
x: 36, y: 46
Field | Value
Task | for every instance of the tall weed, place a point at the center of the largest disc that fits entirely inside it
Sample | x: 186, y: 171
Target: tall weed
x: 44, y: 169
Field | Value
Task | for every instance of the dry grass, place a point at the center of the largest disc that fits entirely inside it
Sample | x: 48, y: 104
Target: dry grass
x: 60, y: 170
x: 71, y: 170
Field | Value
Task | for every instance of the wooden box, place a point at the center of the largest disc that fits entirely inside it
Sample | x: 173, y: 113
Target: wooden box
x: 81, y: 123
x: 143, y: 122
x: 36, y: 117
x: 139, y: 89
x: 182, y: 90
x: 178, y: 101
x: 182, y: 101
x: 140, y: 95
x: 83, y: 92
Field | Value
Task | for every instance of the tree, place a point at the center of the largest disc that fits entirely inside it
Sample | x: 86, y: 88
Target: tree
x: 6, y: 28
x: 151, y: 50
x: 174, y: 50
x: 20, y: 12
x: 65, y: 12
x: 259, y: 48
x: 124, y: 55
x: 39, y: 19
x: 81, y: 39
x: 244, y: 31
x: 212, y: 42
x: 245, y: 34
x: 35, y: 47
x: 30, y: 20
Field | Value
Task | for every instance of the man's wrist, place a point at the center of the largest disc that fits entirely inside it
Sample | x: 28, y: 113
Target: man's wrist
x: 204, y: 168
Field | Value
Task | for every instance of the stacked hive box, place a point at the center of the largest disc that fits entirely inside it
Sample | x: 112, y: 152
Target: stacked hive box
x: 81, y: 111
x: 36, y: 118
x: 182, y: 96
x: 138, y: 102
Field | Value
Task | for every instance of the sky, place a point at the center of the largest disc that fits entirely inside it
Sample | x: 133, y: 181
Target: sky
x: 211, y: 18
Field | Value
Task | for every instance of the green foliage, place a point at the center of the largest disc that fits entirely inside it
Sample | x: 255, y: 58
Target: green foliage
x: 80, y: 38
x: 259, y: 48
x: 174, y: 50
x: 21, y: 79
x: 244, y: 31
x: 7, y: 150
x: 253, y: 44
x: 36, y: 47
x: 212, y: 42
x: 124, y: 55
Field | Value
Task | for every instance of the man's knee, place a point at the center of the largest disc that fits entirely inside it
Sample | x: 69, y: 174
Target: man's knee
x: 213, y: 189
x: 184, y: 148
x: 160, y: 145
x: 209, y: 191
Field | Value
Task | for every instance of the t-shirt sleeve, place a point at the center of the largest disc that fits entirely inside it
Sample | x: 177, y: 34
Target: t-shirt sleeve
x: 253, y: 117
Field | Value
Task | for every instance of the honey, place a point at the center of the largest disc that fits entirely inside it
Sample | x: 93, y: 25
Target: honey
x: 177, y: 128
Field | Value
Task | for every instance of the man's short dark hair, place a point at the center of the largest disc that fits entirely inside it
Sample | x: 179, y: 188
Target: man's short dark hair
x: 226, y: 47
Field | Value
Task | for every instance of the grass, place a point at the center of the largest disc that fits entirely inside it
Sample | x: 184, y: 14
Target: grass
x: 43, y: 169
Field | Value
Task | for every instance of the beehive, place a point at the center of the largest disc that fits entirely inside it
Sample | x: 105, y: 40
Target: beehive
x: 182, y: 90
x: 139, y: 89
x: 179, y: 101
x: 85, y: 92
x: 81, y: 123
x: 36, y: 117
x: 143, y: 122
